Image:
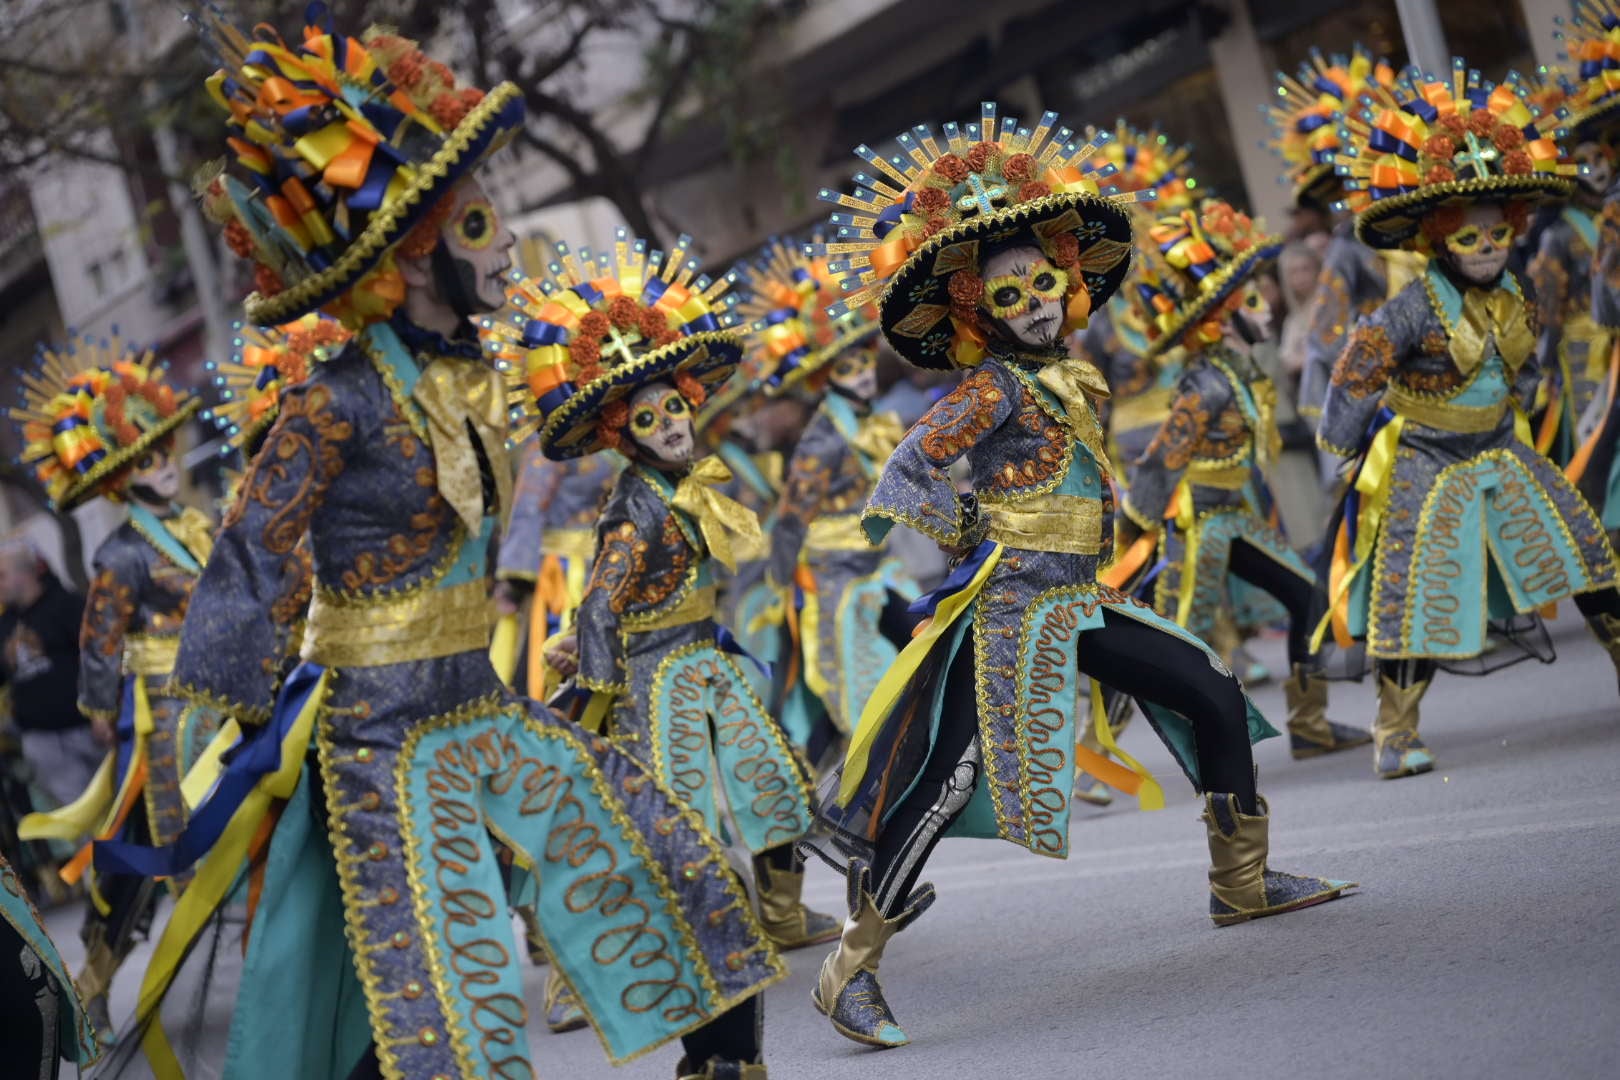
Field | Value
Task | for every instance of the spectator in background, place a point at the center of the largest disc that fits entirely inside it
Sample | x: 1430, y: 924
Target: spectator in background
x: 1294, y: 481
x: 39, y: 663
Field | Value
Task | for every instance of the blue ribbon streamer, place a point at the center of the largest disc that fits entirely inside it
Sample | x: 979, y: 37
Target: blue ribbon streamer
x: 728, y: 643
x: 255, y: 756
x: 958, y: 579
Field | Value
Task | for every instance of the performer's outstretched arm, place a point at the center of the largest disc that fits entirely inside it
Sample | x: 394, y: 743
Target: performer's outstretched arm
x: 234, y: 640
x: 1369, y: 359
x: 109, y: 610
x: 914, y: 488
x: 1201, y: 395
x: 619, y: 551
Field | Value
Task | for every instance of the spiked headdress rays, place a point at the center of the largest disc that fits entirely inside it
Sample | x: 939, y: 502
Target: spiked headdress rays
x: 905, y: 233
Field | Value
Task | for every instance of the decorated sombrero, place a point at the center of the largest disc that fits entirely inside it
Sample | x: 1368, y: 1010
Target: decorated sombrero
x: 343, y: 145
x: 1432, y: 142
x: 592, y: 329
x: 1592, y: 38
x: 1145, y: 159
x: 264, y: 361
x: 89, y: 411
x: 907, y: 233
x: 783, y: 296
x: 1307, y: 114
x: 1199, y: 258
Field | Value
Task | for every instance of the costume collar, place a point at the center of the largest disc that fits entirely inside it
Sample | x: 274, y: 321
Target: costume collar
x: 1476, y: 316
x: 171, y: 536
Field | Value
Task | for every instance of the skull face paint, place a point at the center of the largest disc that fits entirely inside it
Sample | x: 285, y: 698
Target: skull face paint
x: 1023, y: 292
x: 854, y: 374
x: 661, y: 426
x: 1254, y: 315
x: 157, y: 472
x: 1478, y: 251
x: 1598, y: 167
x: 476, y: 252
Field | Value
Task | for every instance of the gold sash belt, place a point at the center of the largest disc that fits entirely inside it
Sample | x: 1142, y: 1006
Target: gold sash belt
x: 1444, y: 416
x: 836, y: 532
x: 569, y: 543
x: 152, y: 655
x: 423, y: 625
x: 1067, y: 524
x: 1225, y: 477
x: 1147, y: 408
x: 695, y: 606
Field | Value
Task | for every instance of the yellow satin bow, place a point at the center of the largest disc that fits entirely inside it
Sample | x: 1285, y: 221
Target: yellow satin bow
x: 879, y: 433
x: 454, y: 393
x: 719, y: 518
x: 1268, y: 440
x: 1075, y: 381
x: 1486, y: 313
x: 194, y: 531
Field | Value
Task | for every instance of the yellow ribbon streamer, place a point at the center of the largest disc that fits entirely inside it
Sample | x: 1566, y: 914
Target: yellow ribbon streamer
x: 900, y: 676
x: 452, y: 393
x: 503, y: 649
x: 216, y: 876
x: 1149, y: 794
x: 719, y: 518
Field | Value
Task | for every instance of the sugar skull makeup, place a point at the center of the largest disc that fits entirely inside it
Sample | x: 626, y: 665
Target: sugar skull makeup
x: 1597, y: 161
x: 158, y: 472
x: 661, y: 425
x: 1254, y: 313
x: 854, y: 373
x: 1024, y: 292
x: 1478, y: 250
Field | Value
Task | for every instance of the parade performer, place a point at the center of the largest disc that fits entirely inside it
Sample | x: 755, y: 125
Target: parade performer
x: 1591, y: 403
x: 622, y: 352
x: 1306, y: 116
x: 982, y: 251
x: 98, y: 420
x: 391, y: 458
x: 750, y: 432
x: 1453, y: 518
x: 1192, y: 488
x: 545, y: 552
x: 42, y: 1018
x: 851, y: 614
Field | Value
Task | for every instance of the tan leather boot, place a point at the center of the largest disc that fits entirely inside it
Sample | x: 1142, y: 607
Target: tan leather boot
x: 1241, y: 887
x: 1397, y: 750
x: 787, y: 922
x: 847, y: 993
x: 1310, y: 732
x: 563, y: 1012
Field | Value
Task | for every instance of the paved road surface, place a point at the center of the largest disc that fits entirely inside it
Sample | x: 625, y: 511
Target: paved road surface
x: 1485, y: 941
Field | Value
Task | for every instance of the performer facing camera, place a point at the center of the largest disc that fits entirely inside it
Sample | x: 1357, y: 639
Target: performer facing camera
x: 983, y: 252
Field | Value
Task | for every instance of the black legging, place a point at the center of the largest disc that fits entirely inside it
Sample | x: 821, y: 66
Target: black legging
x: 30, y: 1002
x: 1127, y: 655
x: 1299, y: 594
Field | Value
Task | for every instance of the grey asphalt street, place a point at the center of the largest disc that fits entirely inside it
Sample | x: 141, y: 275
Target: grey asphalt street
x: 1484, y: 941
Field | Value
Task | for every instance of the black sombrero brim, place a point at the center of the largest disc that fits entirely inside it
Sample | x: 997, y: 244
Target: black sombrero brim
x: 1598, y: 122
x: 487, y: 127
x: 89, y: 485
x: 1222, y: 283
x: 920, y: 287
x: 570, y: 430
x: 1390, y: 222
x: 1319, y: 184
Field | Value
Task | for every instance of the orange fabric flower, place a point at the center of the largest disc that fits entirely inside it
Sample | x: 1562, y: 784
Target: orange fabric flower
x: 1507, y: 138
x: 585, y: 352
x: 980, y: 154
x: 951, y: 168
x: 930, y: 201
x: 966, y: 289
x: 651, y: 323
x: 593, y: 324
x: 624, y: 312
x: 1033, y: 190
x: 1453, y: 125
x: 1439, y: 174
x: 1439, y: 146
x: 266, y: 280
x: 238, y: 239
x: 1481, y: 122
x: 1064, y: 250
x: 691, y: 389
x: 1518, y: 163
x: 1019, y: 168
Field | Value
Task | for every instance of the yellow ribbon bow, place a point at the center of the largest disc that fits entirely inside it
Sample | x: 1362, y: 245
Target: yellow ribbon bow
x: 719, y: 518
x: 194, y: 531
x: 1075, y: 381
x: 454, y: 393
x: 1488, y: 313
x: 879, y: 433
